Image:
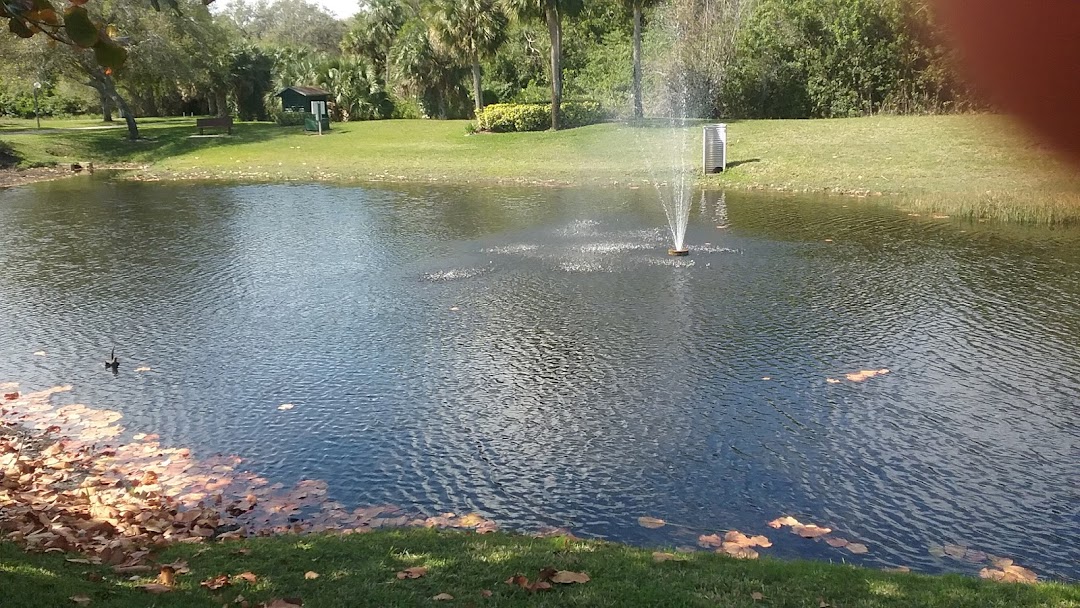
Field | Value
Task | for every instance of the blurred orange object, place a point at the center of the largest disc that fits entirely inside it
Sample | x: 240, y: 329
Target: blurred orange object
x: 1026, y: 57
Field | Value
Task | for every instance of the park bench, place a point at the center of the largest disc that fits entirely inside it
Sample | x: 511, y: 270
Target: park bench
x: 217, y: 121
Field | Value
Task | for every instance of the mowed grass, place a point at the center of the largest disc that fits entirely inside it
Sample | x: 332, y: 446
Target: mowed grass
x: 359, y: 570
x: 971, y: 165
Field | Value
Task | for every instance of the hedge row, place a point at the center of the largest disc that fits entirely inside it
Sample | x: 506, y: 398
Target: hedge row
x: 507, y: 117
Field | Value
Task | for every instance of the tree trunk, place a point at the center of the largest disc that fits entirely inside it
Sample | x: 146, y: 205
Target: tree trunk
x: 638, y: 109
x: 125, y: 110
x: 211, y: 103
x: 106, y: 106
x: 478, y: 91
x: 222, y: 103
x: 551, y: 12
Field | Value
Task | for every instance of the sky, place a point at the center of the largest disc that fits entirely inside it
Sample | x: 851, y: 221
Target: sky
x: 340, y: 8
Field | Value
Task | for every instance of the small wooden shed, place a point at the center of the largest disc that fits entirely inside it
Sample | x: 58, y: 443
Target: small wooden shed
x: 309, y: 100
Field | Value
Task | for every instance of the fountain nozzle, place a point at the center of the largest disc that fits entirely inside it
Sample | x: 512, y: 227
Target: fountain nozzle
x: 678, y: 252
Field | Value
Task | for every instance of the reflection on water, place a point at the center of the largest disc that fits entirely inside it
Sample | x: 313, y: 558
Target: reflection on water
x: 535, y: 355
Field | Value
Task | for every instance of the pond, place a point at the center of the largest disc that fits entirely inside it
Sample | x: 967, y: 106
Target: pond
x: 535, y: 356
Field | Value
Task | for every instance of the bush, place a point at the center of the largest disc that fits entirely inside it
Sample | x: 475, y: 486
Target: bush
x: 508, y: 117
x: 288, y: 119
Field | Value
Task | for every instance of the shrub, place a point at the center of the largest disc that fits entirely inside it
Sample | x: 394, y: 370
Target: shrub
x: 288, y: 119
x: 508, y: 117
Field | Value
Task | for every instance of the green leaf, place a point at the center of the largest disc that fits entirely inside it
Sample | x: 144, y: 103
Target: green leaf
x: 17, y: 27
x: 108, y: 54
x: 79, y: 27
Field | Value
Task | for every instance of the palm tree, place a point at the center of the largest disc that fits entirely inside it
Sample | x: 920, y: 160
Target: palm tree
x: 638, y: 7
x: 472, y: 29
x: 374, y: 32
x: 551, y: 11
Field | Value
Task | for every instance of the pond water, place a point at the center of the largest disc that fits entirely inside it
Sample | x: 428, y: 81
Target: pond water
x: 535, y: 356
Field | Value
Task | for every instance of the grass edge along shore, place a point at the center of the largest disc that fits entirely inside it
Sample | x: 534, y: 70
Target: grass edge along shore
x: 361, y: 570
x: 969, y: 166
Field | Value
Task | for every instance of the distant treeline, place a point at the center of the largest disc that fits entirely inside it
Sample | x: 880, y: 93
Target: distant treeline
x: 446, y: 58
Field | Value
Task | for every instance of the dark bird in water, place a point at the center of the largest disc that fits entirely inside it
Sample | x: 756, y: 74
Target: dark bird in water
x: 112, y: 363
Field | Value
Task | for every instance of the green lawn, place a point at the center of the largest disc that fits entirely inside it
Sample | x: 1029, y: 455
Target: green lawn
x: 974, y: 165
x: 359, y: 570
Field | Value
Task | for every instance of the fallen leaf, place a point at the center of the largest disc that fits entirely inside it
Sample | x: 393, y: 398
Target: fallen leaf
x: 786, y: 520
x: 82, y: 600
x: 651, y: 522
x: 247, y: 576
x: 822, y: 603
x: 216, y: 582
x: 565, y: 577
x: 710, y: 540
x: 414, y: 572
x: 285, y: 406
x: 659, y: 556
x: 810, y: 530
x: 485, y: 593
x: 955, y: 551
x: 443, y: 597
x: 155, y: 588
x: 11, y: 396
x: 78, y: 560
x: 836, y: 542
x: 757, y: 596
x: 738, y: 551
x: 311, y: 575
x: 857, y: 548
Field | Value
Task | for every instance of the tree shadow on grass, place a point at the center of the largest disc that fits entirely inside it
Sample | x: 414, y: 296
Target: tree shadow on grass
x: 162, y: 139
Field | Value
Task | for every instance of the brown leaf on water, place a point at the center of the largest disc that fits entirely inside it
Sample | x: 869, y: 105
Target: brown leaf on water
x: 442, y: 597
x: 311, y: 575
x: 565, y: 577
x: 216, y: 582
x: 955, y: 551
x: 786, y: 520
x: 864, y: 374
x: 155, y: 588
x: 738, y: 551
x: 857, y: 548
x: 710, y: 540
x: 810, y: 530
x: 757, y: 596
x: 836, y: 541
x: 247, y: 576
x: 414, y: 572
x: 81, y: 600
x: 651, y: 522
x: 1009, y: 573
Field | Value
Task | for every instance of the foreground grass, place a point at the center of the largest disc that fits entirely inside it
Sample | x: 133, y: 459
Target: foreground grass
x: 359, y: 570
x: 973, y: 165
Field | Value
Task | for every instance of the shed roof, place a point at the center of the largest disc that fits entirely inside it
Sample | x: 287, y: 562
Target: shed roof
x: 305, y: 91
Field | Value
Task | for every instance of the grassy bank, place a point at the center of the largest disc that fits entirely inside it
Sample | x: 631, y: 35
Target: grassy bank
x: 966, y: 165
x: 360, y: 570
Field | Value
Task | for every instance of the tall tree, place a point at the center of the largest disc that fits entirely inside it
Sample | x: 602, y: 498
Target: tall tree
x: 551, y: 12
x: 288, y: 23
x: 637, y: 8
x: 374, y: 31
x: 473, y: 30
